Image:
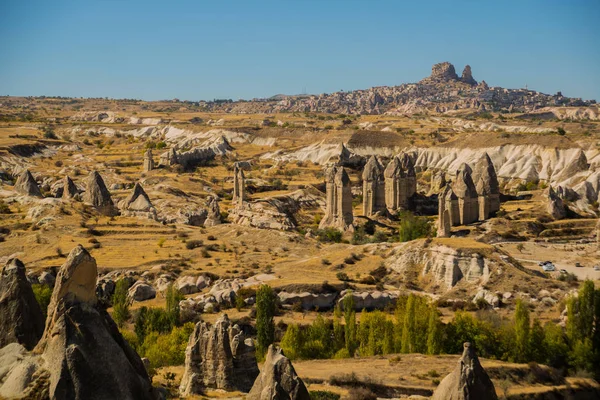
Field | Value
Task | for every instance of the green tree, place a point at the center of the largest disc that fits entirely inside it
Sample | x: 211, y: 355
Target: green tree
x: 140, y: 325
x: 522, y: 324
x: 537, y: 344
x: 120, y: 303
x: 350, y: 321
x: 339, y: 338
x: 173, y: 297
x: 408, y: 331
x: 556, y: 345
x: 42, y: 294
x: 412, y: 227
x: 265, y: 326
x: 292, y: 342
x: 434, y: 332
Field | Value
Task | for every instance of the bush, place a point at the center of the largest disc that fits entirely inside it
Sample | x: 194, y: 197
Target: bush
x: 342, y: 276
x: 329, y: 235
x: 4, y: 208
x: 192, y: 244
x: 166, y: 349
x: 360, y: 393
x: 323, y: 395
x: 413, y: 227
x: 42, y: 294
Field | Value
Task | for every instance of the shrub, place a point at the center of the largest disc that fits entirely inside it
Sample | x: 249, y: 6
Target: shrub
x: 323, y: 395
x: 413, y: 227
x: 342, y: 276
x: 166, y: 349
x: 561, y: 131
x: 361, y: 393
x: 329, y: 235
x: 42, y: 294
x: 192, y: 244
x: 4, y: 208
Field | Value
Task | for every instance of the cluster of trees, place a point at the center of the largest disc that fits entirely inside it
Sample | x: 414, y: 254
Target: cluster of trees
x: 157, y: 332
x: 415, y: 327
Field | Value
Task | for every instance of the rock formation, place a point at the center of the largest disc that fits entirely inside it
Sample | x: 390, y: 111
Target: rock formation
x: 70, y: 190
x: 488, y: 191
x: 278, y: 379
x: 81, y: 354
x: 169, y: 158
x: 467, y: 76
x: 444, y: 218
x: 438, y: 182
x: 220, y: 357
x: 466, y: 197
x: 373, y: 187
x: 214, y: 212
x: 443, y: 72
x: 338, y: 209
x: 21, y: 318
x: 239, y: 185
x: 400, y: 182
x: 467, y: 381
x: 138, y: 204
x: 555, y: 205
x: 27, y: 185
x: 98, y: 195
x: 148, y: 161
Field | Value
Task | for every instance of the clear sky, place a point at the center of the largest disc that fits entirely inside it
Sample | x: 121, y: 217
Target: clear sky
x: 195, y: 50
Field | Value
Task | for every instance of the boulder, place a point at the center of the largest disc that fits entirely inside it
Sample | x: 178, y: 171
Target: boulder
x: 467, y: 381
x: 278, y: 379
x: 218, y: 357
x: 141, y: 291
x: 27, y: 185
x: 187, y: 285
x: 21, y: 318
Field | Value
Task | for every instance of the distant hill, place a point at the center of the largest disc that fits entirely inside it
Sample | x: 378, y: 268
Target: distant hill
x: 443, y: 91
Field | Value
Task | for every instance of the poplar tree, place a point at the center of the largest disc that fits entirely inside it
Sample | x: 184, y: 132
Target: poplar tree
x: 537, y: 344
x: 350, y: 320
x: 521, y: 349
x: 265, y: 326
x: 120, y: 303
x: 408, y: 331
x: 434, y: 332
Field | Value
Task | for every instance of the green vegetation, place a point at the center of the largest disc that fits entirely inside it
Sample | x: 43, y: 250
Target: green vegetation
x: 413, y: 227
x: 120, y: 303
x: 323, y: 395
x: 329, y: 235
x: 42, y: 294
x: 416, y: 327
x: 265, y: 327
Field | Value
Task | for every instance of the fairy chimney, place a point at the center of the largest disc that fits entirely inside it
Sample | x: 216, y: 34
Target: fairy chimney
x: 338, y: 212
x: 373, y: 187
x: 466, y: 193
x: 148, y: 161
x: 239, y: 182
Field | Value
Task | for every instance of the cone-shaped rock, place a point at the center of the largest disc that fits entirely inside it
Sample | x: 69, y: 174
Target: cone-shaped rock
x: 278, y: 379
x: 97, y: 194
x: 83, y: 351
x: 484, y: 175
x: 468, y: 380
x: 27, y: 185
x: 21, y: 318
x: 220, y: 357
x: 69, y: 188
x: 138, y: 200
x: 463, y: 186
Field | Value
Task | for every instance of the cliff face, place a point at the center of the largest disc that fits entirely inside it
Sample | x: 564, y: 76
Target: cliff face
x: 446, y: 265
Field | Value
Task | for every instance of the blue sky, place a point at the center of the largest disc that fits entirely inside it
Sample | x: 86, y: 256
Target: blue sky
x: 196, y: 50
